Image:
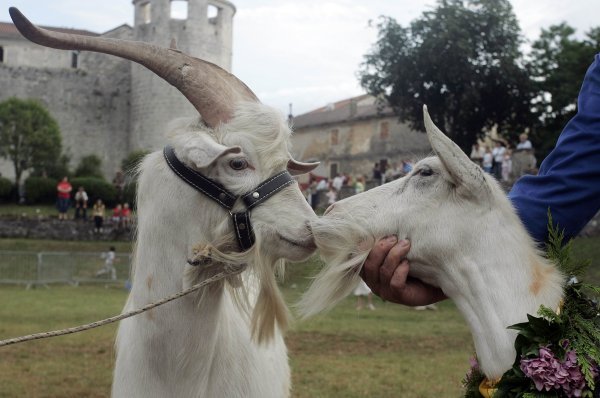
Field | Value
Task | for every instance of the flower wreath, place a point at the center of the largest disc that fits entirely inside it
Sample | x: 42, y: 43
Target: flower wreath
x: 558, y: 352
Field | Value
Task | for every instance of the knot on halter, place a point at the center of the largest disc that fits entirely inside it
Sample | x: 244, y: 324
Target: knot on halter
x: 241, y: 221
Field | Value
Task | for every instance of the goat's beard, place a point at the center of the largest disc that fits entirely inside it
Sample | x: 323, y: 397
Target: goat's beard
x: 269, y: 310
x: 344, y: 246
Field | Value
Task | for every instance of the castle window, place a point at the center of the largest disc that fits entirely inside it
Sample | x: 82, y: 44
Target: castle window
x: 334, y: 136
x: 384, y: 130
x: 179, y: 9
x: 74, y: 59
x: 1, y: 54
x: 213, y: 13
x: 145, y: 13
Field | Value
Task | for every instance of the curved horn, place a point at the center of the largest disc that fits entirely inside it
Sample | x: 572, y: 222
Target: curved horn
x: 211, y: 90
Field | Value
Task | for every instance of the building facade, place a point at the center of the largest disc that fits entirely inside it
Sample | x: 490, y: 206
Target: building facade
x: 105, y: 105
x: 350, y: 136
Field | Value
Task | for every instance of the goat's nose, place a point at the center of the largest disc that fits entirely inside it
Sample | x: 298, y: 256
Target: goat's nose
x: 329, y: 209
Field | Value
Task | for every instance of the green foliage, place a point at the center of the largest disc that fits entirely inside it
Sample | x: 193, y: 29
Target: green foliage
x: 557, y: 63
x: 561, y: 254
x: 40, y: 190
x: 29, y: 136
x: 6, y: 188
x: 89, y: 166
x: 56, y: 170
x: 462, y: 59
x: 131, y: 161
x: 96, y: 188
x: 472, y: 381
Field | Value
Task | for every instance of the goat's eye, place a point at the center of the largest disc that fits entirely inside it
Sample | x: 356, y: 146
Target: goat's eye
x: 238, y: 164
x: 426, y: 172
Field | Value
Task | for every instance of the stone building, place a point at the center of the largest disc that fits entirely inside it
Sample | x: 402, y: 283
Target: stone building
x: 105, y: 105
x: 351, y: 135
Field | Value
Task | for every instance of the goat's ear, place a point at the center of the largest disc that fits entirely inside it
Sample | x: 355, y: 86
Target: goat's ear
x: 465, y: 173
x: 296, y: 168
x: 202, y: 151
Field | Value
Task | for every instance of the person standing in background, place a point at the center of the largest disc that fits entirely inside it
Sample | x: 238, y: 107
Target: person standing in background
x: 81, y: 201
x: 63, y: 190
x: 98, y: 214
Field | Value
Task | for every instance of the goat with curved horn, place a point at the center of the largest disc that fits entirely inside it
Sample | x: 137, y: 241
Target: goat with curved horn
x: 220, y: 197
x: 211, y: 90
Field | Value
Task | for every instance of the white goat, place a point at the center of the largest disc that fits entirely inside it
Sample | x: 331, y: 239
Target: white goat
x: 465, y: 238
x: 226, y: 340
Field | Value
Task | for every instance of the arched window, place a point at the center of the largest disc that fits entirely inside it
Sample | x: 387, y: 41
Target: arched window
x: 212, y: 13
x: 1, y: 54
x: 179, y: 9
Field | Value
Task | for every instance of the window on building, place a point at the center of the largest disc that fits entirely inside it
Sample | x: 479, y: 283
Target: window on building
x: 333, y: 170
x: 213, y: 13
x: 74, y: 59
x: 145, y: 12
x: 334, y: 137
x: 1, y: 54
x: 179, y: 9
x: 384, y: 130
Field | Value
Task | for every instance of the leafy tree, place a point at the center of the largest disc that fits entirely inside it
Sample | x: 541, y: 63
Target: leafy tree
x: 462, y: 59
x: 89, y: 166
x: 558, y: 61
x: 58, y: 170
x: 29, y: 136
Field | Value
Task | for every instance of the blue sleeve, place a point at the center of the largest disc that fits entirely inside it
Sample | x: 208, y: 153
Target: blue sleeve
x: 569, y: 178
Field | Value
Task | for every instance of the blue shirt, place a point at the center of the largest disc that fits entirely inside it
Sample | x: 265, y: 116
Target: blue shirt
x: 569, y: 178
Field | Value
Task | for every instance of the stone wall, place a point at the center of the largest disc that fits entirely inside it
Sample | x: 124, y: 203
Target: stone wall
x: 91, y: 107
x: 33, y: 228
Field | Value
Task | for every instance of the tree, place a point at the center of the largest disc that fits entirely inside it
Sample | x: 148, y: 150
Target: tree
x: 462, y: 59
x: 29, y: 136
x: 557, y: 63
x: 89, y: 166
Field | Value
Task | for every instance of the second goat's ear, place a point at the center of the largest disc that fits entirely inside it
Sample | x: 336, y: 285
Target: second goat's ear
x: 296, y: 168
x: 201, y: 151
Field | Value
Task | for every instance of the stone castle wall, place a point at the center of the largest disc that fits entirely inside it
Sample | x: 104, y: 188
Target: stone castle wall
x: 108, y: 106
x: 92, y: 109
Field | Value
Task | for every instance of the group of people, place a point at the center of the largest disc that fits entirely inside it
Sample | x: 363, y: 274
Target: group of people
x: 382, y: 173
x: 120, y: 216
x: 498, y: 161
x: 332, y: 188
x: 357, y: 184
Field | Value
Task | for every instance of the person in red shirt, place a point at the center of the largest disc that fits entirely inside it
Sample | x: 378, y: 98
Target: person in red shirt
x: 63, y: 189
x: 116, y: 215
x: 125, y: 215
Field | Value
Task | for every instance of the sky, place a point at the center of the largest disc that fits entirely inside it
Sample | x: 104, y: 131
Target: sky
x: 304, y: 52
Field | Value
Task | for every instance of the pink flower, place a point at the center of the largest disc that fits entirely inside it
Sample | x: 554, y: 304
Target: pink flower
x: 548, y: 373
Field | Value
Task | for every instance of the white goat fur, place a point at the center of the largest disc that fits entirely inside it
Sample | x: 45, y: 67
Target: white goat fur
x: 203, y: 345
x: 465, y: 238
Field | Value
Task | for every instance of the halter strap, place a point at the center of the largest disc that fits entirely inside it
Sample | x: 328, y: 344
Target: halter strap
x: 208, y: 187
x: 217, y: 192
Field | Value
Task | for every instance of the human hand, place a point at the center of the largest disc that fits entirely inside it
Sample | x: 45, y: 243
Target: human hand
x: 385, y: 271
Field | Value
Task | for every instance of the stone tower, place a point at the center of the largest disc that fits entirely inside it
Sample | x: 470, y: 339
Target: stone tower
x: 205, y: 33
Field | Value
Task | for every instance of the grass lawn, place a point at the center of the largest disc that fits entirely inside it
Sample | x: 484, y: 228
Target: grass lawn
x: 393, y: 351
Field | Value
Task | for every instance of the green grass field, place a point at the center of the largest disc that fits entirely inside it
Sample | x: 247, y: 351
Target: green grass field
x: 393, y: 351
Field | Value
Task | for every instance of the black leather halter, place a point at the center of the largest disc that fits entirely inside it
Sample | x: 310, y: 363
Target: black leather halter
x: 217, y: 192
